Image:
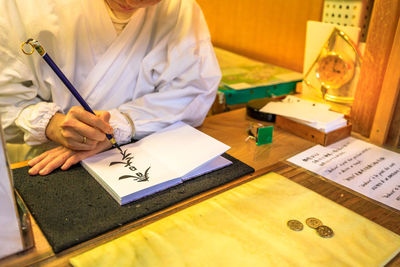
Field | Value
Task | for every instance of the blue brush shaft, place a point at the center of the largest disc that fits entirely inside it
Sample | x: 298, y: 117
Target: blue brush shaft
x: 70, y: 87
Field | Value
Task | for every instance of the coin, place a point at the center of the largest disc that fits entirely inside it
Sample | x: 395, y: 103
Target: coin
x: 295, y: 225
x: 324, y: 231
x: 313, y: 222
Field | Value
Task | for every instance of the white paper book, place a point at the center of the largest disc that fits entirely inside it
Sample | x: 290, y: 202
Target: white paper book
x: 157, y: 162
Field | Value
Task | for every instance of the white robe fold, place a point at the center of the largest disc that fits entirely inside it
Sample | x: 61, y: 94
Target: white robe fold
x: 159, y: 70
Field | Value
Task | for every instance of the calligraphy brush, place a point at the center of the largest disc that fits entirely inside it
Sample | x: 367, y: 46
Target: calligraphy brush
x: 36, y: 45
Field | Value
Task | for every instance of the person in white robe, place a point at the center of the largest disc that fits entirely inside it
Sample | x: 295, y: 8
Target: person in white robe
x: 141, y: 64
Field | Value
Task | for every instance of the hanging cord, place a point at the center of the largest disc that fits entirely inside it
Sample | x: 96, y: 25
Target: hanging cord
x: 34, y: 45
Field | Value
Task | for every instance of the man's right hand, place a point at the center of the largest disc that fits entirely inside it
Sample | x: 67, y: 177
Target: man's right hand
x: 79, y: 129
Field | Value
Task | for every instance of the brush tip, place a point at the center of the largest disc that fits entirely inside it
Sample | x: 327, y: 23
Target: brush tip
x: 115, y: 144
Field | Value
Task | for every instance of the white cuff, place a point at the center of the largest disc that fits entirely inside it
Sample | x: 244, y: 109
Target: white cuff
x: 123, y: 130
x: 33, y: 121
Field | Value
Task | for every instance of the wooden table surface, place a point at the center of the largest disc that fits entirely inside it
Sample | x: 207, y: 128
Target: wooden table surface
x: 230, y: 128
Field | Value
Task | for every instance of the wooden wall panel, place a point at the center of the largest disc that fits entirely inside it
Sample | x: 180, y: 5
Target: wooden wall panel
x: 380, y: 37
x: 267, y: 30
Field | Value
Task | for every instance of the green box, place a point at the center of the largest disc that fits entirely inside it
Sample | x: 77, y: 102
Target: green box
x: 233, y: 96
x: 244, y: 79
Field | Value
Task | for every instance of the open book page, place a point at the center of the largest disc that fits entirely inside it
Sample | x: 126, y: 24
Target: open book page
x: 130, y: 172
x: 212, y: 165
x: 156, y: 162
x: 182, y: 147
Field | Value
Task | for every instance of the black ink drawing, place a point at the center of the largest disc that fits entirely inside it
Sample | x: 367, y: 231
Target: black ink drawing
x: 127, y: 160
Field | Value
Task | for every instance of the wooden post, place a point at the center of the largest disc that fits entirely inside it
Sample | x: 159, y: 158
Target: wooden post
x: 389, y: 94
x: 380, y: 37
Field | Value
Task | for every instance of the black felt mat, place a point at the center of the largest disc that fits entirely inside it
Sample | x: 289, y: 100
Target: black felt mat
x: 71, y: 207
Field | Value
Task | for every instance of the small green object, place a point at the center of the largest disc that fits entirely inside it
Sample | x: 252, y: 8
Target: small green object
x: 264, y: 135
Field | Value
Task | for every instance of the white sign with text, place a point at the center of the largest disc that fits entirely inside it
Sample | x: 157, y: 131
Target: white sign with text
x: 363, y: 167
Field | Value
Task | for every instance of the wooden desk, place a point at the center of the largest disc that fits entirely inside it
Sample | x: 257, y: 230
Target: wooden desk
x: 230, y: 128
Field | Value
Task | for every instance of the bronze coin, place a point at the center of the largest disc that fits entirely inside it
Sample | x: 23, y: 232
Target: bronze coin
x: 324, y: 231
x: 295, y: 225
x: 313, y: 222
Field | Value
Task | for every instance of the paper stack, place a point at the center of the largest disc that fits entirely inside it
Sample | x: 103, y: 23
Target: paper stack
x: 313, y: 114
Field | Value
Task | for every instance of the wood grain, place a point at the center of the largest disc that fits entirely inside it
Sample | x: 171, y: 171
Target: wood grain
x: 19, y: 164
x: 267, y: 30
x: 379, y: 43
x: 389, y: 94
x: 393, y: 138
x: 312, y: 134
x: 231, y: 129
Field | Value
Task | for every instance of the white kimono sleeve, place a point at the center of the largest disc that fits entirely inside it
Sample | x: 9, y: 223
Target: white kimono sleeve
x: 24, y: 111
x: 24, y: 115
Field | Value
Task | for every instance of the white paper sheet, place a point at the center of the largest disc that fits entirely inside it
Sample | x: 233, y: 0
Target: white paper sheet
x: 363, y: 167
x: 10, y: 236
x: 313, y: 114
x: 161, y: 160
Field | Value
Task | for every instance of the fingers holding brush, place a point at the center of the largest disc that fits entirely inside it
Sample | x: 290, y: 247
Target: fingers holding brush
x: 79, y: 129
